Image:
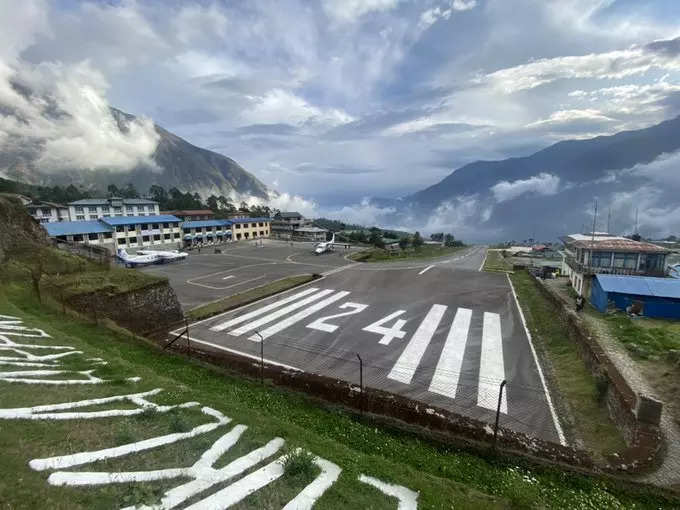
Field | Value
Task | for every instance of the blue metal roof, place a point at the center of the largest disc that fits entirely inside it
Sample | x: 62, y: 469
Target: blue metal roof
x: 640, y: 285
x: 206, y: 223
x: 249, y: 220
x: 65, y: 228
x: 132, y: 220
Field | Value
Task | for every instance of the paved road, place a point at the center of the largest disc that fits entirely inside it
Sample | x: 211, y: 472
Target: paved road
x: 441, y: 332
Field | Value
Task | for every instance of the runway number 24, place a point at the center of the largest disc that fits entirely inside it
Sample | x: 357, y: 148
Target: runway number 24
x: 378, y: 327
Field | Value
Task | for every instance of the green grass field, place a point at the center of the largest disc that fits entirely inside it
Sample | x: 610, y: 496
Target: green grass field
x: 444, y: 476
x: 424, y: 252
x: 575, y: 382
x: 496, y: 262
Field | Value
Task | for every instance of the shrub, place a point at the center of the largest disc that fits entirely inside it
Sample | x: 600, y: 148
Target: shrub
x: 299, y: 463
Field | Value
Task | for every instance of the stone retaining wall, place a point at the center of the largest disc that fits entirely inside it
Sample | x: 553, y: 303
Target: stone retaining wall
x: 639, y: 429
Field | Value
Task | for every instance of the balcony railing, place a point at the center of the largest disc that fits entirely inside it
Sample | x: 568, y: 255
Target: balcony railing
x: 585, y: 269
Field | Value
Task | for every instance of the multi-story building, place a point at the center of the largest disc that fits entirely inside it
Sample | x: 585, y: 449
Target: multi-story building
x: 192, y: 214
x: 310, y: 234
x: 585, y: 255
x: 89, y: 209
x: 197, y: 232
x: 284, y: 224
x: 119, y: 232
x: 250, y: 228
x: 48, y: 212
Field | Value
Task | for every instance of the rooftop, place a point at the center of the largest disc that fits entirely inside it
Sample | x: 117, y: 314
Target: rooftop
x: 38, y: 205
x: 65, y: 228
x: 190, y: 212
x: 310, y: 229
x: 132, y: 220
x: 291, y: 214
x: 619, y: 244
x: 640, y: 285
x: 206, y: 223
x: 248, y: 220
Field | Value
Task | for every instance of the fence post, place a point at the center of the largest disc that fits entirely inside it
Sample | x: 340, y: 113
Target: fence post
x: 498, y: 412
x: 261, y: 357
x: 361, y: 384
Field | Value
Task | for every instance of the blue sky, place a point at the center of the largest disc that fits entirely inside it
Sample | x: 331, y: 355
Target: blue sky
x: 337, y: 100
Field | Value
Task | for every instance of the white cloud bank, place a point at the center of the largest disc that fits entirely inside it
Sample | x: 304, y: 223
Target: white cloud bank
x: 542, y: 184
x: 61, y: 110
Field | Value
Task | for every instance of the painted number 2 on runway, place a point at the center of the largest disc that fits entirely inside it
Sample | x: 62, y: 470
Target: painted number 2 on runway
x: 320, y: 324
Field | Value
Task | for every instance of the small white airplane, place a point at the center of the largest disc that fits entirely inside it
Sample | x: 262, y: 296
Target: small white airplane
x: 136, y: 260
x: 324, y: 247
x: 165, y: 256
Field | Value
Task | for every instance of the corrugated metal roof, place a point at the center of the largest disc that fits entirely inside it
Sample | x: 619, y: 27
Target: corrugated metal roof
x: 66, y: 228
x: 640, y: 285
x: 206, y: 223
x: 106, y: 201
x: 290, y: 214
x: 627, y: 245
x: 190, y: 212
x: 132, y: 220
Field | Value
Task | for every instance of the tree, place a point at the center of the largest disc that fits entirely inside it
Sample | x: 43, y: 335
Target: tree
x: 212, y: 203
x: 376, y: 238
x: 417, y: 240
x: 158, y: 194
x: 439, y: 237
x: 243, y: 207
x: 403, y: 243
x: 113, y: 190
x: 129, y: 191
x: 449, y: 240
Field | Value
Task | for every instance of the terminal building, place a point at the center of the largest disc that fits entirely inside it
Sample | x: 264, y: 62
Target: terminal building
x: 586, y: 255
x: 48, y: 212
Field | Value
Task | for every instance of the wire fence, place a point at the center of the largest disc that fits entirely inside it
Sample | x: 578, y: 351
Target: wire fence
x: 511, y: 403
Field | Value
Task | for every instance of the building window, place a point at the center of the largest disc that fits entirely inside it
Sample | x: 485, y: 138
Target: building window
x: 144, y: 227
x: 122, y: 241
x: 155, y: 225
x: 117, y: 209
x: 166, y: 236
x: 166, y: 225
x: 619, y: 259
x: 105, y: 208
x: 108, y: 235
x: 261, y: 232
x: 238, y: 236
x: 176, y: 235
x: 133, y: 240
x: 130, y: 214
x: 80, y: 217
x: 120, y: 228
x: 92, y: 209
x: 260, y: 224
x: 186, y: 230
x: 128, y: 208
x: 602, y: 258
x: 238, y: 225
x: 79, y: 210
x: 46, y: 212
x: 145, y: 239
x: 93, y: 237
x: 631, y: 261
x: 253, y: 225
x: 107, y: 216
x: 78, y: 237
x: 157, y: 237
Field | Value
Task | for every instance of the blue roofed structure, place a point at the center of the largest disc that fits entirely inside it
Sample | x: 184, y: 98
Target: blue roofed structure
x: 65, y: 228
x: 136, y: 220
x: 656, y: 297
x: 206, y: 223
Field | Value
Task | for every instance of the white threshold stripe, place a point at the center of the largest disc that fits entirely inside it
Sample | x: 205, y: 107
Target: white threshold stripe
x: 280, y: 326
x: 227, y: 277
x: 242, y: 488
x: 491, y: 366
x: 242, y: 318
x: 558, y: 427
x: 486, y: 252
x: 244, y: 354
x: 447, y: 373
x: 409, y: 360
x: 279, y: 313
x: 426, y: 269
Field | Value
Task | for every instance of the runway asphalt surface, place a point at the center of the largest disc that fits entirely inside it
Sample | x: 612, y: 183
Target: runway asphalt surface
x: 438, y: 330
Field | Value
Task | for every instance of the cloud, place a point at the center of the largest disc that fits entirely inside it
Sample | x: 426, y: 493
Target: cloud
x: 434, y: 14
x: 569, y: 116
x: 59, y: 112
x: 657, y: 216
x: 278, y: 106
x: 464, y: 217
x: 351, y: 10
x: 617, y: 64
x: 541, y: 184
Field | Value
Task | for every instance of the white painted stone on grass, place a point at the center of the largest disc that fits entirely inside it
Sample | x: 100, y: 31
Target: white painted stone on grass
x: 305, y: 500
x: 408, y: 499
x: 77, y: 459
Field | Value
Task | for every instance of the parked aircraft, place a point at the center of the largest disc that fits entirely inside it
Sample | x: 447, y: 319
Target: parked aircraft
x: 137, y: 260
x: 324, y: 247
x: 165, y: 256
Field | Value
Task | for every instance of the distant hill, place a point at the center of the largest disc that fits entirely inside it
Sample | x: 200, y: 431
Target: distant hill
x: 552, y: 191
x: 182, y: 165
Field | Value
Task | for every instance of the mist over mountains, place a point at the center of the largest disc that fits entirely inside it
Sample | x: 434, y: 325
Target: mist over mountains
x: 552, y: 191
